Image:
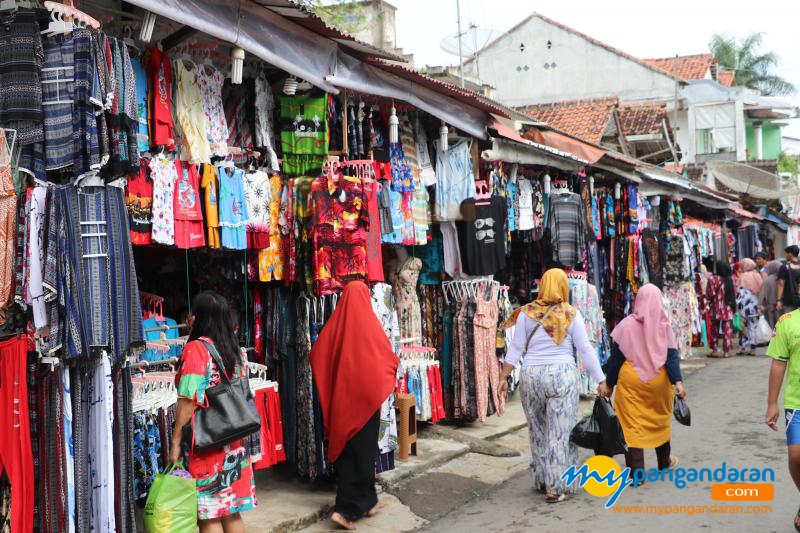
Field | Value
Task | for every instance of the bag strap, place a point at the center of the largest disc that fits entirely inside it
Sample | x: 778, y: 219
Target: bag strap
x: 536, y: 328
x: 212, y: 351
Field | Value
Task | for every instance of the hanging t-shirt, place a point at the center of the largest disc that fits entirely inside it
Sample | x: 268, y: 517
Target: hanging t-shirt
x: 304, y: 124
x: 232, y: 208
x: 379, y: 135
x: 481, y: 236
x: 426, y: 173
x: 187, y: 211
x: 455, y: 180
x: 164, y: 175
x: 209, y: 185
x: 525, y: 221
x: 139, y: 200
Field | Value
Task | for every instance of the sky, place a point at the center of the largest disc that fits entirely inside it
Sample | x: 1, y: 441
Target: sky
x: 641, y: 28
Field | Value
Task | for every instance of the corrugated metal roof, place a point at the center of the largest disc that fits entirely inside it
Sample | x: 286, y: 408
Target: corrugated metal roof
x: 475, y: 100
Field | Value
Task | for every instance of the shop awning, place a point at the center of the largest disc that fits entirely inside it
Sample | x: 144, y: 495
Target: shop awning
x: 663, y: 182
x: 565, y: 143
x: 316, y: 58
x: 744, y: 213
x: 511, y: 147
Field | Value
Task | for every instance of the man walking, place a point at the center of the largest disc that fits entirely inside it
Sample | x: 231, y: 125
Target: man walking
x: 788, y: 281
x: 784, y: 348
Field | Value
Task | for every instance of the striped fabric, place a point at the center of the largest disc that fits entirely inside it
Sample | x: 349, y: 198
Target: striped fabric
x: 565, y: 228
x: 57, y: 88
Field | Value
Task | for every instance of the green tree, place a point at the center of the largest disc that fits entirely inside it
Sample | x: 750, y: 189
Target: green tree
x: 347, y: 15
x: 753, y: 69
x: 788, y: 164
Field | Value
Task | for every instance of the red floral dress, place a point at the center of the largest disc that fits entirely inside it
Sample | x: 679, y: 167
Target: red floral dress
x: 225, y: 484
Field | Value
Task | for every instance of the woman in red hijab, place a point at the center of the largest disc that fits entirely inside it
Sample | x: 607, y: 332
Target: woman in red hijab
x: 354, y: 371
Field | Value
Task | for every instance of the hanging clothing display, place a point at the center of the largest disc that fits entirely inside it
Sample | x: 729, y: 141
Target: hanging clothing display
x: 455, y: 180
x: 481, y: 237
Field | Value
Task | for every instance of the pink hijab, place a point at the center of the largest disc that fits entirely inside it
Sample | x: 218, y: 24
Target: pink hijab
x: 749, y: 278
x: 645, y: 336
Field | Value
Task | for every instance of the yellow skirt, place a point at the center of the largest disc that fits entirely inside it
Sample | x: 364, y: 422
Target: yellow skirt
x: 644, y: 409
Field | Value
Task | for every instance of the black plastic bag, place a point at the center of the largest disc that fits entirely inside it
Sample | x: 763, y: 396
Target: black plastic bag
x: 613, y: 439
x: 586, y: 433
x: 680, y: 409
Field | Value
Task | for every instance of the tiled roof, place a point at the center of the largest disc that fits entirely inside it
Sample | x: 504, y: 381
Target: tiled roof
x: 694, y: 67
x: 586, y: 119
x: 642, y: 119
x: 726, y: 77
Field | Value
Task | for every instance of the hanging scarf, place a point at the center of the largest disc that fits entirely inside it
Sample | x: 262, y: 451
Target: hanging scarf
x: 645, y: 336
x: 354, y: 367
x: 551, y: 309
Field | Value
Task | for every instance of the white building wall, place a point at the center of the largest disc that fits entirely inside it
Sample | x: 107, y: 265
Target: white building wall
x: 525, y: 71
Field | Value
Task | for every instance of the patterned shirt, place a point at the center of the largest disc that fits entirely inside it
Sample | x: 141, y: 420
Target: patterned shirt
x: 339, y: 226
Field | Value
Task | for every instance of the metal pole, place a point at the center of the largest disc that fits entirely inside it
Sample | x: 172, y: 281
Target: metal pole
x: 460, y: 55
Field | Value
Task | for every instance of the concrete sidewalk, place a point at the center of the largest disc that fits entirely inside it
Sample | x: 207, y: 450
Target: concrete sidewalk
x: 288, y: 504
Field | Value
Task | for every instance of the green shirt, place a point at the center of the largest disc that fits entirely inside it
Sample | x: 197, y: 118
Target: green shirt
x: 785, y: 346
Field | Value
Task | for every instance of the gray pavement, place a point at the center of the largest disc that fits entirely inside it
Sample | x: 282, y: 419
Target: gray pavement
x: 727, y: 399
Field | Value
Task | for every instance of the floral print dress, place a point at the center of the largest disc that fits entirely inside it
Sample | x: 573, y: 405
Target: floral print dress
x: 407, y: 300
x: 210, y: 81
x: 164, y: 175
x: 225, y: 484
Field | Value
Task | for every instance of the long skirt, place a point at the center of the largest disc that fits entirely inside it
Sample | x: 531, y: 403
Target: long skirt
x: 644, y: 409
x: 355, y: 472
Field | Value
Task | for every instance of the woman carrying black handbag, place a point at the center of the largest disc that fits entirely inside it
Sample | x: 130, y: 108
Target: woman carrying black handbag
x: 210, y: 361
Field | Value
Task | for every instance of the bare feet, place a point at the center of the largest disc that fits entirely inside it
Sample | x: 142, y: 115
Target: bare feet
x: 342, y: 522
x: 378, y: 506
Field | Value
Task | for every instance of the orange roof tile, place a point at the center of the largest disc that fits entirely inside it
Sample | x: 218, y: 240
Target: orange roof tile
x: 642, y: 119
x: 586, y: 119
x: 726, y: 77
x: 694, y: 67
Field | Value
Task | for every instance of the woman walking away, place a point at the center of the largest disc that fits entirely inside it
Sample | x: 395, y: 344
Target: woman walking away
x: 225, y: 485
x: 546, y: 331
x: 354, y: 371
x: 644, y: 364
x: 721, y: 297
x: 750, y: 282
x: 768, y: 295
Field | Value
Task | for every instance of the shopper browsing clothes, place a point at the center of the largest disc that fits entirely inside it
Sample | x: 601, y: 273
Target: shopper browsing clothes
x: 225, y: 485
x: 546, y: 332
x: 644, y: 365
x: 768, y: 295
x: 354, y: 372
x: 721, y: 298
x: 749, y: 286
x: 784, y: 349
x: 789, y: 281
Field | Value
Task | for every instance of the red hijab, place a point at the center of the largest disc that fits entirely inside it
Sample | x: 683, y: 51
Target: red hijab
x: 354, y: 367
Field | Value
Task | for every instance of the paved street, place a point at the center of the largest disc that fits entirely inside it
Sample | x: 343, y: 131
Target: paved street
x: 727, y: 399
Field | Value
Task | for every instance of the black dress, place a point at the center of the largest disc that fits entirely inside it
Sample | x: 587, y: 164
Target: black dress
x: 355, y: 472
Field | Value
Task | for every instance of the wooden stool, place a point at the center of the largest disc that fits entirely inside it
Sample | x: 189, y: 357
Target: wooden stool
x: 406, y: 426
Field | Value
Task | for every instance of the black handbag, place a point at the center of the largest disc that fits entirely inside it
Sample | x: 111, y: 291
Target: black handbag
x: 230, y: 415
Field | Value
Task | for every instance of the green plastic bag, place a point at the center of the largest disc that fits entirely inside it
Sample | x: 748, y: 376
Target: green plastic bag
x: 737, y: 323
x: 171, y: 504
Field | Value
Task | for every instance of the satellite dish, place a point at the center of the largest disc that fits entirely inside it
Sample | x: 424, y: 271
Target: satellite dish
x: 745, y: 179
x: 473, y: 40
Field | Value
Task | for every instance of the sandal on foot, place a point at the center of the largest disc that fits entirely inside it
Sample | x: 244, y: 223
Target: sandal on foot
x: 673, y: 461
x: 541, y: 489
x: 555, y: 498
x: 715, y: 355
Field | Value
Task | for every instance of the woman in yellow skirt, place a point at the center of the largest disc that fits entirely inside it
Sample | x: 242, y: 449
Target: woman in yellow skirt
x: 644, y: 365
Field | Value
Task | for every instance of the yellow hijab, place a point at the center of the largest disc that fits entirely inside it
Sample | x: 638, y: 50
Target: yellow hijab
x: 553, y: 299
